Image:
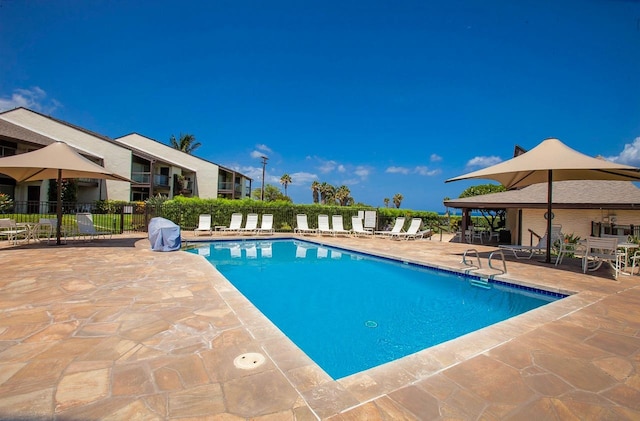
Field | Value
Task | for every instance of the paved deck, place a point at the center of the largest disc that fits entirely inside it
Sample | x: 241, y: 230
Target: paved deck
x: 111, y: 330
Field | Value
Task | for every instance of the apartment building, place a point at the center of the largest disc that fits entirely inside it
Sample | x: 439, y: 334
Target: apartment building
x: 154, y: 167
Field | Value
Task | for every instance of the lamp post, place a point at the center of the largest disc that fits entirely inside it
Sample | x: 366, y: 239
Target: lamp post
x: 264, y: 164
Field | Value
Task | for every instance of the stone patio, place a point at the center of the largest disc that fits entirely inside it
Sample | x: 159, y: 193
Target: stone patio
x: 110, y: 330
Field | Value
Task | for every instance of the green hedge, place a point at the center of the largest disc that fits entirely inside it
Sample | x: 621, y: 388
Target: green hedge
x: 185, y: 212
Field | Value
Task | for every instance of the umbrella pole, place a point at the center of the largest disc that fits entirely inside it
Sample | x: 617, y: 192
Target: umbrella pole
x: 549, y: 214
x: 59, y: 208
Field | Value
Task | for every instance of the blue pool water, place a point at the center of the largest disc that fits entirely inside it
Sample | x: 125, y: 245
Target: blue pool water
x: 349, y: 311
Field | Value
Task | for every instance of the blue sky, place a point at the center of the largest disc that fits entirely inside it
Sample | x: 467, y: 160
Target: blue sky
x: 384, y: 97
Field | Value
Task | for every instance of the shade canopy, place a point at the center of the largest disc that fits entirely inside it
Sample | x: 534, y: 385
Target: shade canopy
x: 551, y: 161
x: 44, y: 164
x: 55, y: 161
x: 533, y: 166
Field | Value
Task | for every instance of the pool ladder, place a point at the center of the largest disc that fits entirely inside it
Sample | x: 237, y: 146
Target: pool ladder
x: 483, y: 282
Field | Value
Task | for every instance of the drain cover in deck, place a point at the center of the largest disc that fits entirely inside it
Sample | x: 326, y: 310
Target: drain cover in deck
x: 249, y: 360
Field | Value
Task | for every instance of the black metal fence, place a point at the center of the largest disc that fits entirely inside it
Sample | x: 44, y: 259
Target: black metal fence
x: 599, y: 228
x: 135, y: 216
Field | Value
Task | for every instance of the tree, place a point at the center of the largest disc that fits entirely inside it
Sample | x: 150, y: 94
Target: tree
x: 315, y: 188
x: 489, y: 215
x: 397, y: 199
x: 343, y: 195
x: 327, y: 193
x: 187, y: 143
x: 386, y: 201
x: 271, y: 194
x: 285, y: 180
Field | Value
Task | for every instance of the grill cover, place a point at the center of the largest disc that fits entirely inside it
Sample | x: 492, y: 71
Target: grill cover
x: 164, y: 235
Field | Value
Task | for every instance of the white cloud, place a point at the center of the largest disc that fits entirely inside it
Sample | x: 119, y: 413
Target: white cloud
x: 257, y: 154
x: 327, y: 166
x: 300, y: 178
x: 423, y: 170
x: 35, y: 99
x: 341, y: 168
x: 435, y: 158
x: 630, y: 155
x: 483, y: 161
x: 362, y: 172
x: 395, y: 170
x: 263, y: 147
x: 350, y: 182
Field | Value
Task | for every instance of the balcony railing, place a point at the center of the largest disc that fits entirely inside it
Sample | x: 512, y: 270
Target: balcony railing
x: 141, y: 177
x: 160, y: 180
x: 225, y: 185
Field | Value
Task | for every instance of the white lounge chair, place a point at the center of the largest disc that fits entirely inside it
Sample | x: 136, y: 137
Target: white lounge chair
x: 302, y: 225
x: 266, y: 227
x: 412, y: 232
x: 338, y: 225
x: 600, y: 250
x: 527, y: 252
x: 236, y: 223
x: 204, y: 224
x: 323, y: 225
x: 251, y: 225
x: 397, y: 228
x: 357, y: 229
x: 370, y: 220
x: 87, y: 229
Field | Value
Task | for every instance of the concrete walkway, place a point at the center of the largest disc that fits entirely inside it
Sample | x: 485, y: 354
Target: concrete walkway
x: 110, y: 330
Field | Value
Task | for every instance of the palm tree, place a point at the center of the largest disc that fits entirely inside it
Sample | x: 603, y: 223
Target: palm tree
x: 386, y: 202
x: 343, y: 194
x: 285, y: 180
x: 187, y: 143
x: 315, y: 188
x: 397, y: 199
x: 327, y: 193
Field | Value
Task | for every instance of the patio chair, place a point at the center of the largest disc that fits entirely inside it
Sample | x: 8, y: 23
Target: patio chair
x: 236, y: 223
x: 323, y: 225
x: 357, y: 229
x: 302, y: 225
x: 47, y: 228
x: 338, y: 225
x: 204, y: 224
x: 412, y: 232
x: 9, y: 229
x: 251, y: 225
x: 527, y: 252
x: 600, y: 250
x: 87, y: 229
x: 266, y: 227
x: 397, y: 228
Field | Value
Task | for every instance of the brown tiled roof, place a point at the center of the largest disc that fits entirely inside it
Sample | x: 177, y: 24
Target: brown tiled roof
x: 575, y: 194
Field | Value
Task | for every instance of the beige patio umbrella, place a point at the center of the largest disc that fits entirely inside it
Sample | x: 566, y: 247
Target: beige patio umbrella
x: 551, y: 161
x: 55, y: 161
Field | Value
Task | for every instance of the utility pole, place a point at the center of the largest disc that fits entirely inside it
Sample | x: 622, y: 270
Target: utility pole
x: 264, y: 164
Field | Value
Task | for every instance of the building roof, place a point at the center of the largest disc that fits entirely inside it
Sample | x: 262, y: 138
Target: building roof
x: 574, y: 194
x: 29, y: 136
x: 12, y: 132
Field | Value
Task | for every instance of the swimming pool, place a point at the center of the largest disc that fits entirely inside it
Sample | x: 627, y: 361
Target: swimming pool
x: 349, y: 311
